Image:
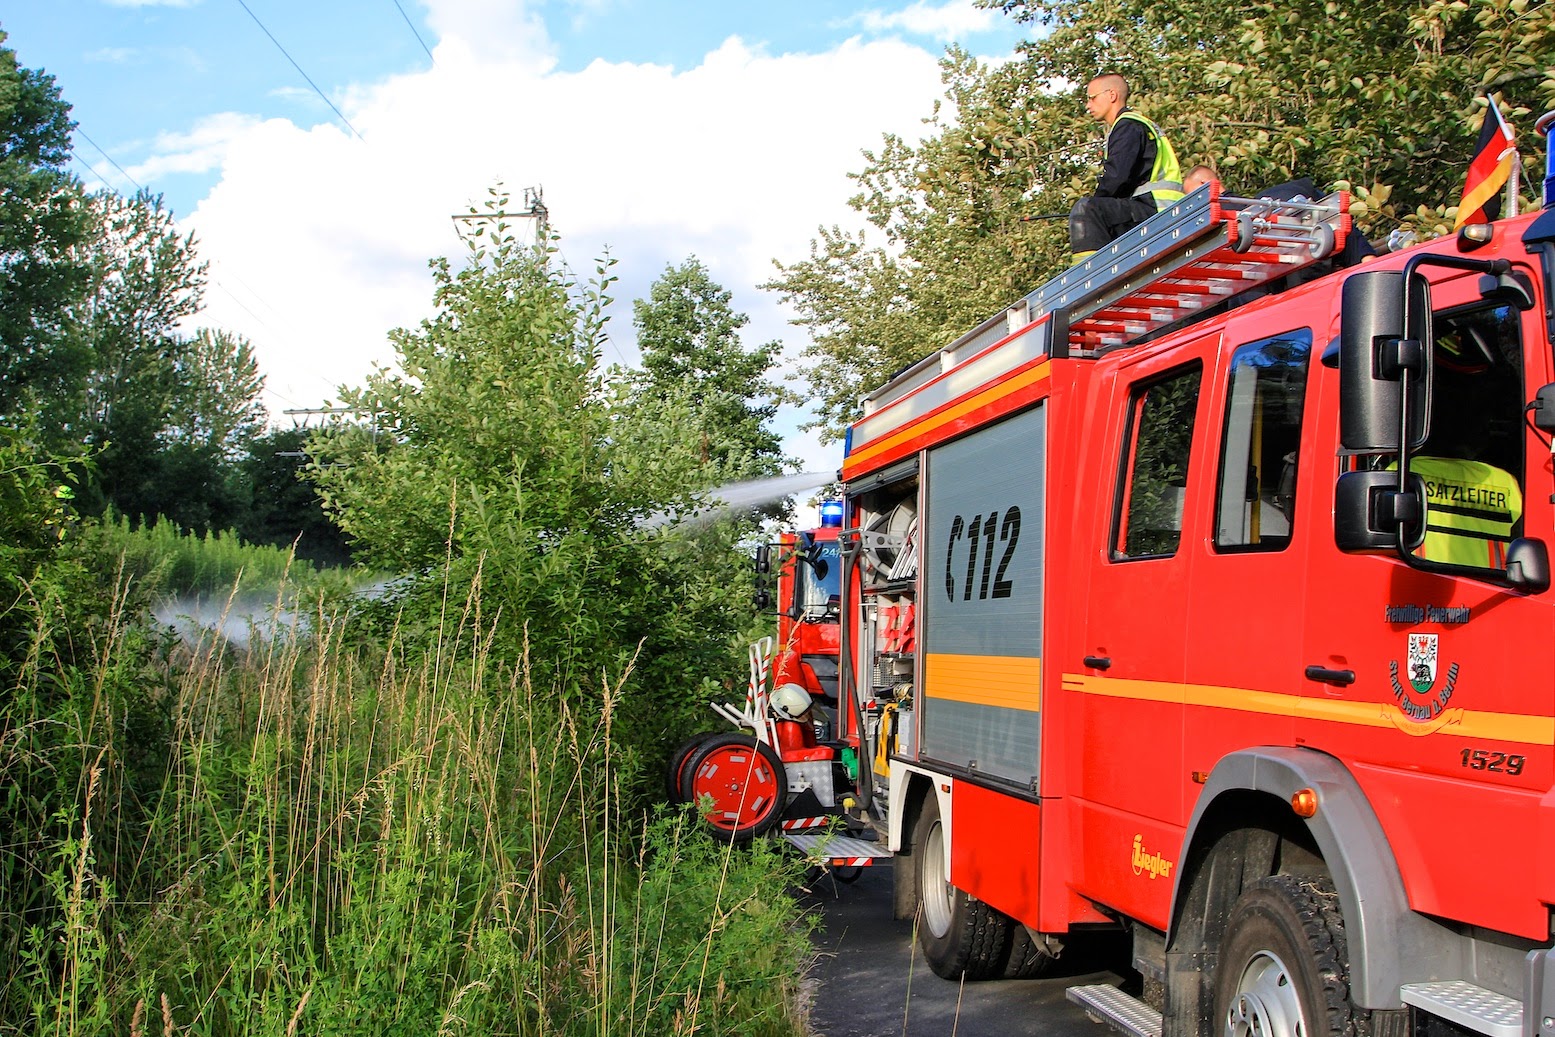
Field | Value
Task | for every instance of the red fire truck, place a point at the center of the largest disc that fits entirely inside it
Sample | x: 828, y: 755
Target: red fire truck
x: 1226, y: 622
x: 788, y: 772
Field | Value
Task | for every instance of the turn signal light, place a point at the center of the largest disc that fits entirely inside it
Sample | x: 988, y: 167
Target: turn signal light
x: 1304, y: 802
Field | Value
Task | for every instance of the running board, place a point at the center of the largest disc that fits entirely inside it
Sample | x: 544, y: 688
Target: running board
x: 838, y: 850
x: 1109, y: 1005
x: 1470, y: 1006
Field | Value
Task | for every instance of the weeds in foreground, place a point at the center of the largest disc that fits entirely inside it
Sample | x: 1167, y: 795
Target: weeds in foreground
x: 313, y: 838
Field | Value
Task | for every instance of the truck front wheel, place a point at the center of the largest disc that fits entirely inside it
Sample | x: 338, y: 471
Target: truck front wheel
x: 1283, y: 968
x: 959, y: 935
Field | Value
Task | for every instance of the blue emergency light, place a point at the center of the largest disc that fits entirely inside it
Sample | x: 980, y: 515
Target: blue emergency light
x: 831, y: 513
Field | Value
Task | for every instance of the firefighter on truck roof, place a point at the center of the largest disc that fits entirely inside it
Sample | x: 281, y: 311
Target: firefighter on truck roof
x: 1140, y: 174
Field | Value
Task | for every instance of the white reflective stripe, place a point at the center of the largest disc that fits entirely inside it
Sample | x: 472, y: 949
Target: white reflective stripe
x: 1157, y: 185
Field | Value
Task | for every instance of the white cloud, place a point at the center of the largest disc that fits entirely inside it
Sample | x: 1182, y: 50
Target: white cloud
x: 319, y: 242
x: 201, y: 150
x: 151, y: 3
x: 945, y: 22
x: 490, y: 31
x: 112, y: 55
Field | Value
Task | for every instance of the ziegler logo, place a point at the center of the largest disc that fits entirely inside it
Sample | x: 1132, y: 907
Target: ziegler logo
x: 1149, y: 863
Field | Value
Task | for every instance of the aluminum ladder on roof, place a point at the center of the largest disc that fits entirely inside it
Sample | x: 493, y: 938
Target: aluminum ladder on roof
x: 1200, y: 251
x: 1185, y: 258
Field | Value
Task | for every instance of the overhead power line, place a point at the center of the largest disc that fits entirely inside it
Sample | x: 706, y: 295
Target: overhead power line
x: 413, y: 31
x: 82, y: 134
x: 300, y: 72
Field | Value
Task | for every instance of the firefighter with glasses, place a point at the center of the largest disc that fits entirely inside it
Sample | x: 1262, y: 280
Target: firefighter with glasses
x: 1139, y: 177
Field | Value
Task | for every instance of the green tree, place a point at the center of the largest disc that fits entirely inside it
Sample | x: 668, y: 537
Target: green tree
x: 497, y: 457
x: 691, y: 350
x: 1381, y: 100
x: 43, y: 221
x: 166, y: 417
x: 284, y: 505
x: 215, y: 399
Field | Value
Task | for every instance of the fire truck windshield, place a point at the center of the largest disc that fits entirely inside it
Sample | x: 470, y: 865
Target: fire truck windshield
x: 819, y: 583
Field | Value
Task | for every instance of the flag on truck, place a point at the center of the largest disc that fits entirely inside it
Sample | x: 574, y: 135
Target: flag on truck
x: 1489, y: 170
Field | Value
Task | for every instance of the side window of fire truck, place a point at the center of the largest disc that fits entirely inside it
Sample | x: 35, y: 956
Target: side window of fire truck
x: 1472, y: 459
x: 820, y: 579
x: 1255, y: 500
x: 1147, y: 516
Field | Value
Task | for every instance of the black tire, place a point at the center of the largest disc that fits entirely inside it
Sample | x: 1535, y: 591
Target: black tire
x: 960, y: 935
x: 1284, y: 969
x: 675, y: 766
x: 847, y: 874
x: 1025, y: 958
x: 745, y: 781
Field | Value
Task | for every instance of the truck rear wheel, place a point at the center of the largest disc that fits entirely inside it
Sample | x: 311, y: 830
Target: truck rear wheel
x: 745, y: 781
x: 959, y: 934
x: 1026, y: 959
x: 1284, y: 970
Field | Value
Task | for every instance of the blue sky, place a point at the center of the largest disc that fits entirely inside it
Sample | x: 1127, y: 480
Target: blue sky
x: 657, y: 130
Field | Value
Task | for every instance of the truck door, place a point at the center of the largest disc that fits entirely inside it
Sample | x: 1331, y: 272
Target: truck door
x: 1433, y: 686
x: 1244, y: 650
x: 1128, y: 687
x: 981, y: 611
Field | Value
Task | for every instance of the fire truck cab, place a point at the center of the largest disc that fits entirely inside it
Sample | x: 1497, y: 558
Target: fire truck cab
x: 1232, y: 632
x: 808, y: 603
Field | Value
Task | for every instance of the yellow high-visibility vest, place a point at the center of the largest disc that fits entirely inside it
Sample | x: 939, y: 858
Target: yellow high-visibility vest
x: 1471, y: 509
x: 1165, y: 176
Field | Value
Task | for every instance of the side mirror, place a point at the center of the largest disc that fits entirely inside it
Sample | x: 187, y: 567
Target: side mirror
x: 1368, y: 512
x: 1528, y: 566
x: 1542, y: 409
x: 1376, y: 351
x: 1510, y: 287
x: 762, y: 599
x: 763, y: 558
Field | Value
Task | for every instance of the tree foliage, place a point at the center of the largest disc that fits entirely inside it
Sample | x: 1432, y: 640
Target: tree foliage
x: 94, y: 290
x: 691, y: 351
x: 1383, y: 100
x: 285, y: 506
x: 498, y: 456
x: 43, y: 221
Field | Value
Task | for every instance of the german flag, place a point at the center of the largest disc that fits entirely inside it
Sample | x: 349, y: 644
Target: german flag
x: 1489, y: 170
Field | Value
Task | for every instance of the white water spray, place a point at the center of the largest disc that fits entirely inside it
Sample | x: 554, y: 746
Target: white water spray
x: 738, y: 496
x: 233, y: 619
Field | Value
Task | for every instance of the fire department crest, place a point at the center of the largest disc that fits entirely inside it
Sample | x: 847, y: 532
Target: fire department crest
x: 1422, y: 699
x: 1422, y: 661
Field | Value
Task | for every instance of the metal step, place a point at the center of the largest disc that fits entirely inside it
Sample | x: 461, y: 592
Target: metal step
x: 1109, y: 1005
x: 840, y: 850
x: 1473, y: 1007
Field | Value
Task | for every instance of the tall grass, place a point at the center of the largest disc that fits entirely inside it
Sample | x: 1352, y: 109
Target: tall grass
x: 312, y: 837
x: 170, y: 562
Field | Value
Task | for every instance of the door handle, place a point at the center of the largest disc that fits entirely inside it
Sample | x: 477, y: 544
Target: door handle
x: 1098, y: 662
x: 1328, y: 676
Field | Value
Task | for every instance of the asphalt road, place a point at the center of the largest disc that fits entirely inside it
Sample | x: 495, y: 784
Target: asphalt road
x: 869, y: 982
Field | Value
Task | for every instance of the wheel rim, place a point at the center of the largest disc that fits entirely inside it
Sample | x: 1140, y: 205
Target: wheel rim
x: 1267, y: 1001
x: 934, y: 889
x: 742, y: 784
